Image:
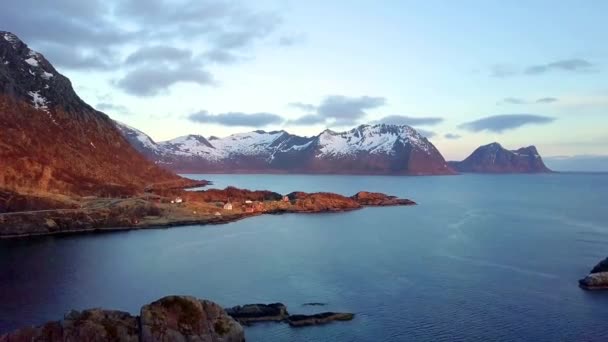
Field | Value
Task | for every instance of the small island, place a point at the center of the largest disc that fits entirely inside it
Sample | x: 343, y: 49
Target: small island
x: 597, y: 278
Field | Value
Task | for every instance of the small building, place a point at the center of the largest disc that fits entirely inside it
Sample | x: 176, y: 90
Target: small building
x: 285, y: 199
x: 248, y: 202
x: 228, y: 206
x: 178, y: 200
x: 217, y: 213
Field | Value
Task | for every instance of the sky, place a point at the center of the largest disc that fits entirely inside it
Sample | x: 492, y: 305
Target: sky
x: 464, y: 73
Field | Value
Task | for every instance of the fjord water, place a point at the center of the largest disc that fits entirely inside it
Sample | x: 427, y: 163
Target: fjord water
x: 482, y: 257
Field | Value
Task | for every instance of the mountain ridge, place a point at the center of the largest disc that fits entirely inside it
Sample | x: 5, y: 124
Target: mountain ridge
x: 366, y: 149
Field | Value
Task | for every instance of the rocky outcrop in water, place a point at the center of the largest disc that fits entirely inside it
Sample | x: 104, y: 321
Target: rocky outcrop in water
x: 318, y: 319
x: 597, y: 278
x: 249, y: 313
x: 172, y: 318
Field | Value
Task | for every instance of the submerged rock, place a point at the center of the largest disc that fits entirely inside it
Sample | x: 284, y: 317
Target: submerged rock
x: 320, y: 318
x: 314, y: 304
x: 249, y: 313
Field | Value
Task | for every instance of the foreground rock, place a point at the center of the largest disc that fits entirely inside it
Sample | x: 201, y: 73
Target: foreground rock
x: 597, y: 278
x: 246, y: 314
x: 173, y: 318
x: 318, y: 319
x: 183, y: 318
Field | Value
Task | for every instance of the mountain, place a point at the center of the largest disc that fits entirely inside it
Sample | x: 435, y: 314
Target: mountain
x: 493, y: 158
x: 367, y: 149
x: 53, y: 142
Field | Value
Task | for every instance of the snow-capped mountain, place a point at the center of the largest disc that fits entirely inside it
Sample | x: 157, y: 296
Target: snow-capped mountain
x: 493, y: 158
x: 367, y: 149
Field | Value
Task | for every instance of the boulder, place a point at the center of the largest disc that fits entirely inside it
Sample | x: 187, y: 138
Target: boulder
x: 595, y: 281
x: 94, y: 325
x: 185, y: 318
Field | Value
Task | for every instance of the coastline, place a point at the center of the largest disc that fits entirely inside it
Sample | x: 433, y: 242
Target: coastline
x: 82, y: 221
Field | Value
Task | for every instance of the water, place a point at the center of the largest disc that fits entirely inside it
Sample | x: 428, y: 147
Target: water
x: 480, y: 258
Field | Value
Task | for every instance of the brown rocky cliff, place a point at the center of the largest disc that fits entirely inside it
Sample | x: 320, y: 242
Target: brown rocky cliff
x: 52, y: 141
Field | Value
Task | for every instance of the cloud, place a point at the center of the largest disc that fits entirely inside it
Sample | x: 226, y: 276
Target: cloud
x: 425, y: 133
x: 112, y: 108
x: 501, y: 123
x: 290, y: 40
x: 343, y: 110
x: 221, y: 56
x: 310, y: 119
x: 337, y: 110
x: 150, y: 81
x: 547, y: 100
x: 452, y: 136
x: 307, y: 107
x: 158, y: 53
x: 520, y: 101
x: 236, y: 118
x: 574, y: 65
x: 571, y: 65
x: 502, y: 71
x: 410, y: 121
x: 117, y: 35
x: 514, y: 100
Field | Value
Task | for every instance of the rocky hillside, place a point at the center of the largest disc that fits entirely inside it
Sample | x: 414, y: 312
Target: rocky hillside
x: 493, y: 158
x: 53, y: 142
x: 367, y: 149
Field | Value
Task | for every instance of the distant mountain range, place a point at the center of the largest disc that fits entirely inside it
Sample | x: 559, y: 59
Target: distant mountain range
x: 493, y: 158
x: 367, y: 149
x: 51, y: 141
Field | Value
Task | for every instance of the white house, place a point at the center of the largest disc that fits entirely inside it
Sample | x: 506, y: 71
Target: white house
x: 178, y: 200
x: 228, y: 206
x: 248, y: 202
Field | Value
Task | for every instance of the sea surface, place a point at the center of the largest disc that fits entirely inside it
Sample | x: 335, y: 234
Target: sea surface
x: 481, y: 258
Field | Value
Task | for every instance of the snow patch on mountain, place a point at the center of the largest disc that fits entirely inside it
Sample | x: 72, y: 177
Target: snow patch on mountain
x: 376, y: 139
x: 32, y: 61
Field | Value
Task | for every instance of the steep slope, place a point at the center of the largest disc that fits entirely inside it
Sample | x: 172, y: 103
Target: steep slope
x: 53, y: 142
x: 493, y: 158
x: 377, y: 149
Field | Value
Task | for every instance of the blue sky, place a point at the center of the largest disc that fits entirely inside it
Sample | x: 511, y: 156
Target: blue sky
x: 465, y: 72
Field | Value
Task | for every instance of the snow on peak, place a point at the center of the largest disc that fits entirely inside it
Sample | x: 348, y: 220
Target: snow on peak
x: 11, y: 38
x: 142, y: 137
x: 375, y: 139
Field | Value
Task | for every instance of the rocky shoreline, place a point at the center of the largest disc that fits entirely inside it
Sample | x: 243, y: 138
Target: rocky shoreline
x: 171, y: 318
x: 194, y: 208
x: 597, y: 278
